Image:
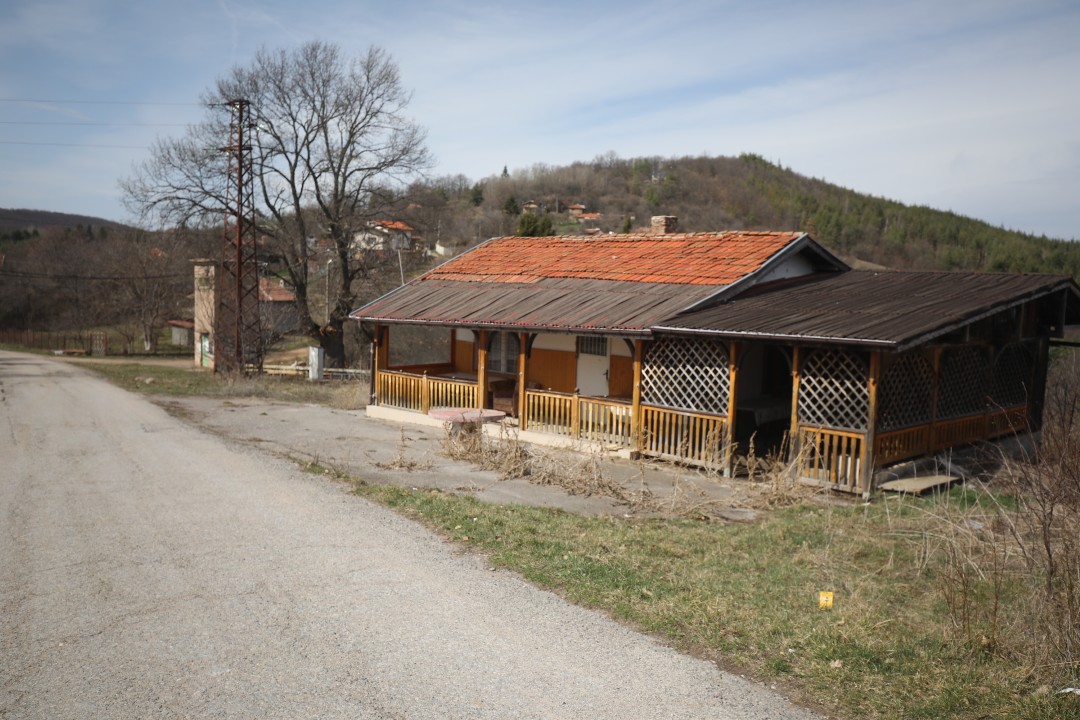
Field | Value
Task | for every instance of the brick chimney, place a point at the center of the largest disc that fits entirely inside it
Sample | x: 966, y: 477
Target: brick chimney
x: 664, y: 224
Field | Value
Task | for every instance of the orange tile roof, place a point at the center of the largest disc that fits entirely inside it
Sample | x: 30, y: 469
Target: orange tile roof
x: 714, y: 258
x: 394, y: 225
x: 273, y: 291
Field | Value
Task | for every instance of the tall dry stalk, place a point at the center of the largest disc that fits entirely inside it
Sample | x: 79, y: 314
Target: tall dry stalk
x: 1021, y: 538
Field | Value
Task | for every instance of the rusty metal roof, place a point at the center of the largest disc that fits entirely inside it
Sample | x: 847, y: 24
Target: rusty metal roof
x: 701, y: 283
x: 564, y: 304
x: 892, y: 310
x: 614, y: 283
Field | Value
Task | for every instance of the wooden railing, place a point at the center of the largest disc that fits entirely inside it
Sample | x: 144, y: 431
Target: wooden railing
x: 1008, y: 421
x: 924, y: 439
x: 588, y: 418
x: 901, y: 444
x: 683, y: 435
x: 420, y: 393
x: 551, y: 412
x: 832, y: 457
x: 605, y: 421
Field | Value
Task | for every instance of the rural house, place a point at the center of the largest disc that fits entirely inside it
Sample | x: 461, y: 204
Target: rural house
x: 385, y: 235
x: 689, y: 346
x: 278, y: 313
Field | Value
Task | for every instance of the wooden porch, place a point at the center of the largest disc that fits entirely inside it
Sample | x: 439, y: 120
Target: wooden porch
x: 697, y: 438
x: 848, y: 412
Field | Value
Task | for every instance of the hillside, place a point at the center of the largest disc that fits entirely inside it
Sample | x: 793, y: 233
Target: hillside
x: 23, y: 219
x: 720, y: 193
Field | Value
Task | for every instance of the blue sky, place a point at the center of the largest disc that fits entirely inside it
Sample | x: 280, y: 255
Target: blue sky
x: 966, y: 106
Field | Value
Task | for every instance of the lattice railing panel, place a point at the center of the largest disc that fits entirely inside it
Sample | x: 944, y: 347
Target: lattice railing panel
x: 690, y: 374
x: 962, y: 389
x: 1014, y: 368
x: 833, y: 391
x: 906, y: 394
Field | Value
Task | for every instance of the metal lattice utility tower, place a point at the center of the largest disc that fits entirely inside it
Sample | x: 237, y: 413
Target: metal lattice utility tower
x: 237, y: 335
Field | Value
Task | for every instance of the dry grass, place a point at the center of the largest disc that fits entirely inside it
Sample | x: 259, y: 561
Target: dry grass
x: 578, y: 473
x: 401, y: 461
x: 772, y: 483
x: 1011, y: 550
x: 161, y: 380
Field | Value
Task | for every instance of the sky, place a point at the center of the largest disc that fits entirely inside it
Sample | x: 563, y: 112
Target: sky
x: 972, y: 107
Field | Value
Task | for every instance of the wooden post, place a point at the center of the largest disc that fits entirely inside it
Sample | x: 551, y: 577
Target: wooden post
x: 379, y: 356
x: 1036, y: 403
x: 523, y: 373
x: 635, y: 401
x: 425, y: 393
x: 935, y: 394
x: 575, y: 414
x: 794, y: 441
x: 482, y: 338
x: 733, y: 398
x: 867, y: 460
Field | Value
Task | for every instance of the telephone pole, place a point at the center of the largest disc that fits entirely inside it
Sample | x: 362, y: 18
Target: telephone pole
x: 237, y: 332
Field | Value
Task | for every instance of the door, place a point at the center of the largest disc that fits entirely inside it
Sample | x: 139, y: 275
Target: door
x: 592, y: 366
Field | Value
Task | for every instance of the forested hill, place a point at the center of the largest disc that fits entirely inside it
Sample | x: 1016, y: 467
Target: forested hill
x: 745, y: 192
x: 23, y: 219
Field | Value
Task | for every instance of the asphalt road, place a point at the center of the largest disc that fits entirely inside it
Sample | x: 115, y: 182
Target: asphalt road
x: 152, y: 570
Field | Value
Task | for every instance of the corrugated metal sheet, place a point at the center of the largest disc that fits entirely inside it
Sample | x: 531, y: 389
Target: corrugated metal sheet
x: 563, y: 304
x: 893, y: 310
x: 641, y: 284
x: 615, y: 283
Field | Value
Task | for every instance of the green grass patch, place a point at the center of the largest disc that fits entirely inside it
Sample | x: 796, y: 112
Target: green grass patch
x: 747, y: 594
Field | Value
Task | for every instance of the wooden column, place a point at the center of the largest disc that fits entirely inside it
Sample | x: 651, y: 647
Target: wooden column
x: 482, y: 338
x: 1036, y: 404
x: 635, y: 401
x: 935, y: 394
x: 522, y: 381
x: 867, y: 459
x: 733, y: 400
x: 794, y: 440
x: 379, y: 357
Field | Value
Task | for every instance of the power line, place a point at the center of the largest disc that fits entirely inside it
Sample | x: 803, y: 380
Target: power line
x: 74, y: 145
x: 99, y: 102
x: 72, y: 276
x: 94, y: 124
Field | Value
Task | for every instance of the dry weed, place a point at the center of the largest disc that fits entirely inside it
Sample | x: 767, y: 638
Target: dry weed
x: 1008, y: 553
x: 401, y: 461
x: 349, y: 395
x: 773, y: 480
x: 578, y: 473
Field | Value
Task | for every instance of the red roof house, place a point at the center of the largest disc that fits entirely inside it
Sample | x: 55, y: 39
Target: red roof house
x: 689, y: 345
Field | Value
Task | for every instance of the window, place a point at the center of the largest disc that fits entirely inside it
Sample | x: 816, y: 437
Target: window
x: 503, y: 352
x: 592, y: 345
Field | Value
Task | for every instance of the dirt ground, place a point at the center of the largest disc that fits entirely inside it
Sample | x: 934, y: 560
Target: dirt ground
x: 386, y: 452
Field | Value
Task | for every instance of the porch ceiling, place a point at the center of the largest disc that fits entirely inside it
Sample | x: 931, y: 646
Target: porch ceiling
x: 892, y: 310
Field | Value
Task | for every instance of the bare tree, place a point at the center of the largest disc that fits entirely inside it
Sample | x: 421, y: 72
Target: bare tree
x: 329, y: 144
x: 145, y: 279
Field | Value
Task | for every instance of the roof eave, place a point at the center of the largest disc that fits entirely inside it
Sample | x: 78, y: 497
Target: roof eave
x: 780, y: 337
x: 530, y: 327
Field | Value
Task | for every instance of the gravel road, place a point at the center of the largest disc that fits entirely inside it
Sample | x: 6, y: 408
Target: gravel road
x: 152, y: 570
